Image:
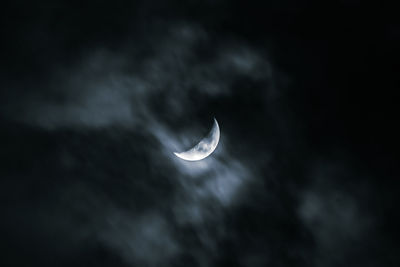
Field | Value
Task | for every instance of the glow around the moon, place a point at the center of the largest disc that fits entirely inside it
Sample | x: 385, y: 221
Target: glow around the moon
x: 204, y: 148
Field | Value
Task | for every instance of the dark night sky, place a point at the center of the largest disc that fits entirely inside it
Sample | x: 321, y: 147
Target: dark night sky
x: 95, y: 97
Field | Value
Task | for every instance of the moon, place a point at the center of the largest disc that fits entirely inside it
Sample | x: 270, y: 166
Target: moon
x: 204, y: 148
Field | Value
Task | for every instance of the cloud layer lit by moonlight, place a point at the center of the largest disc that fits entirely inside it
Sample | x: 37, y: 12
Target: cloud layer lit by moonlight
x: 100, y: 174
x: 117, y: 93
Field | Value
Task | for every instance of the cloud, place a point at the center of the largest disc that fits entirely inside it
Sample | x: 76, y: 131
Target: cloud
x: 145, y: 92
x: 145, y: 240
x: 121, y: 88
x: 337, y: 219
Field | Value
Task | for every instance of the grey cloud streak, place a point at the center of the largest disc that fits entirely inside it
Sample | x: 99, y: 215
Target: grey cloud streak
x: 103, y: 90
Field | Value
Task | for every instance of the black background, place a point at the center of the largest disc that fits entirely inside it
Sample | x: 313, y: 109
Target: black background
x: 315, y: 128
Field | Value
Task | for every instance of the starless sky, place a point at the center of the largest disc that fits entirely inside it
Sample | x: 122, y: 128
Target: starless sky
x: 95, y: 97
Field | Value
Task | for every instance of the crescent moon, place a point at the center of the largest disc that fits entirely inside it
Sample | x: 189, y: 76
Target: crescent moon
x: 204, y: 148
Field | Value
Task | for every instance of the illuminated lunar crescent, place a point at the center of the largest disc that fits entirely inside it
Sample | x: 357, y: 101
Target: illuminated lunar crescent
x: 204, y: 148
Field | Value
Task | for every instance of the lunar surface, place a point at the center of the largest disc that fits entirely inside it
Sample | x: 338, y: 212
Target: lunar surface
x: 204, y: 148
